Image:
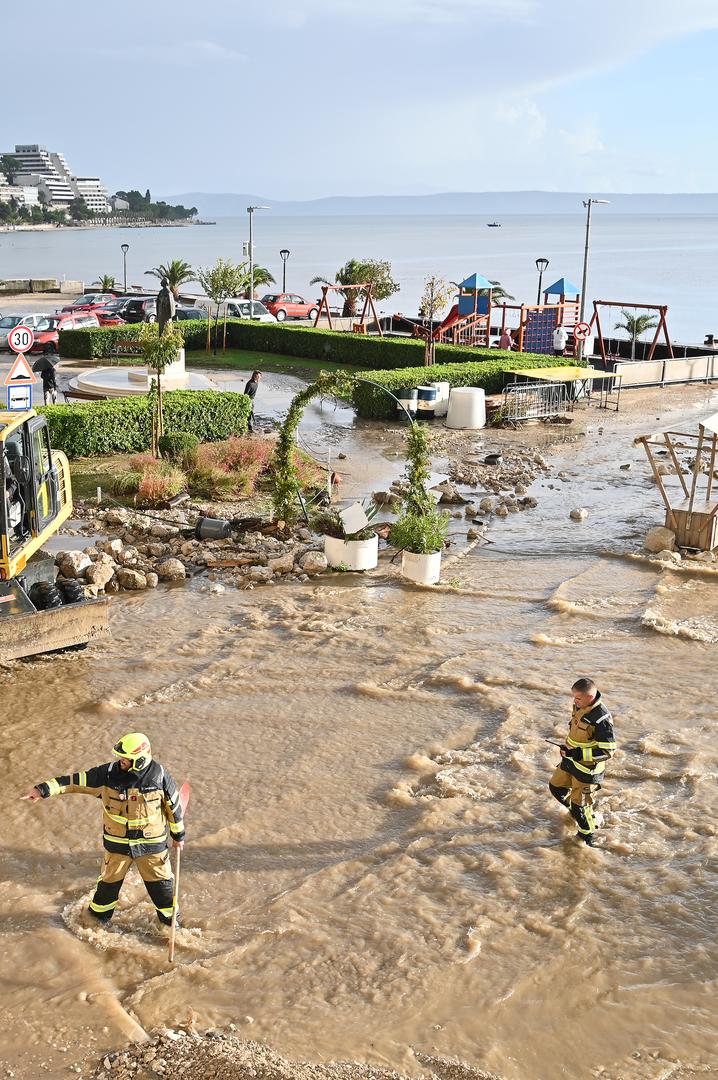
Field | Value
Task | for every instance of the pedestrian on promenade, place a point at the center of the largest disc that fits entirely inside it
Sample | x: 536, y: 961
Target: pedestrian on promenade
x: 251, y: 392
x: 49, y: 384
x: 139, y: 800
x: 589, y: 745
x: 560, y: 338
x: 506, y: 341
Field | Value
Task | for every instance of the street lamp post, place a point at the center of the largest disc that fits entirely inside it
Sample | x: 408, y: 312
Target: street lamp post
x: 284, y: 255
x: 124, y: 248
x: 588, y: 203
x: 250, y: 211
x: 541, y: 265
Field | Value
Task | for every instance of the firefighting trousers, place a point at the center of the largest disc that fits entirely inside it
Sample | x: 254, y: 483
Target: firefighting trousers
x: 577, y: 797
x: 156, y: 872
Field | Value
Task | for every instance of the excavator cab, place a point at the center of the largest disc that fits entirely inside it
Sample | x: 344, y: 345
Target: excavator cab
x: 35, y: 499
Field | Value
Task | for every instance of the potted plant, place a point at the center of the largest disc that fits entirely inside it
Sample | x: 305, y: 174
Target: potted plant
x: 350, y: 542
x: 420, y: 531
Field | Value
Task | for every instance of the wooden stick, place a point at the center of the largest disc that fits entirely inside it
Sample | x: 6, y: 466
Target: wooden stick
x: 659, y: 480
x: 696, y: 471
x: 676, y: 464
x: 175, y: 901
x: 713, y: 465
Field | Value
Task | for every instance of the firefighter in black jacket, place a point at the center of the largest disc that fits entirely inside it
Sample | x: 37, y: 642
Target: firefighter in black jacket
x: 589, y: 745
x: 139, y: 799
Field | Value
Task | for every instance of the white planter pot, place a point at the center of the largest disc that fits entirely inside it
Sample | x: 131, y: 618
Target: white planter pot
x: 424, y: 569
x: 352, y: 554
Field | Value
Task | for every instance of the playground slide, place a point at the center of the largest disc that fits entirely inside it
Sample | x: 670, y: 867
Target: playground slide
x: 451, y: 320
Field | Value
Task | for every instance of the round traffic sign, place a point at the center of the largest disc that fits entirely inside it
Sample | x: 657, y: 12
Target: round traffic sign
x: 21, y: 339
x: 581, y: 331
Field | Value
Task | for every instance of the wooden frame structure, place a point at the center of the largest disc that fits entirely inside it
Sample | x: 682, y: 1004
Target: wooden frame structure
x: 662, y: 310
x: 694, y: 516
x: 564, y: 314
x: 360, y: 327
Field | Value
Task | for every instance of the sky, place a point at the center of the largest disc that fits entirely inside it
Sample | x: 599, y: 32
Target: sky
x: 301, y: 99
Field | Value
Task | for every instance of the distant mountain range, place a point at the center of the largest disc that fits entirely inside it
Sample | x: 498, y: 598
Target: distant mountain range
x: 490, y: 204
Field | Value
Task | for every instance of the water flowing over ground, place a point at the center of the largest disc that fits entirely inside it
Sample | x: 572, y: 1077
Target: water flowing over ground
x: 375, y: 869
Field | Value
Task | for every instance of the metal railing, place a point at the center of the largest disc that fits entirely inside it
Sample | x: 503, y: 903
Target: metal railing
x: 533, y: 401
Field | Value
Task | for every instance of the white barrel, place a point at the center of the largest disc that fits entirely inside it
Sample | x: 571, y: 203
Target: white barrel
x: 426, y: 402
x: 442, y: 398
x: 467, y: 408
x: 408, y: 397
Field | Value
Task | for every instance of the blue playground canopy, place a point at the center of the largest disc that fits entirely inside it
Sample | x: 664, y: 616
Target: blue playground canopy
x: 562, y: 287
x: 476, y: 282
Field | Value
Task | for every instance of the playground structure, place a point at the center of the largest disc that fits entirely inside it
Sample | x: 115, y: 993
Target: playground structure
x: 693, y: 516
x: 469, y: 320
x: 359, y: 327
x: 662, y: 325
x: 538, y: 322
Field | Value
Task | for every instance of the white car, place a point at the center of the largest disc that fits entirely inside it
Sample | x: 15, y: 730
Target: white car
x: 239, y: 309
x: 9, y: 322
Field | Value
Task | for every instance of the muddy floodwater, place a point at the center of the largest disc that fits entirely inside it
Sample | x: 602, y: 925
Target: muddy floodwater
x: 374, y: 864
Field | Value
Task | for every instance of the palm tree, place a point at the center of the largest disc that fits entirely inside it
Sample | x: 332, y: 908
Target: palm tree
x: 177, y: 273
x: 349, y: 274
x: 498, y: 293
x: 261, y: 276
x: 106, y: 283
x: 635, y: 325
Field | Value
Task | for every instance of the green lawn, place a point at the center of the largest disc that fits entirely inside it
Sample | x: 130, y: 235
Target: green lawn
x: 245, y: 360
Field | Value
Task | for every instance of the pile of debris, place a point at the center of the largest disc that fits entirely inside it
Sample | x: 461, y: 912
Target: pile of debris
x: 141, y: 550
x: 187, y: 1055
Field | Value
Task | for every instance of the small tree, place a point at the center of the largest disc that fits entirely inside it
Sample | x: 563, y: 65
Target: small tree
x: 177, y: 272
x: 105, y: 283
x: 159, y: 350
x: 9, y: 166
x: 635, y: 325
x: 435, y: 297
x: 357, y: 272
x: 220, y: 282
x: 79, y: 210
x: 262, y: 276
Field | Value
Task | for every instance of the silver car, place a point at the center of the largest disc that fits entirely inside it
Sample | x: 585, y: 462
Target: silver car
x: 9, y: 322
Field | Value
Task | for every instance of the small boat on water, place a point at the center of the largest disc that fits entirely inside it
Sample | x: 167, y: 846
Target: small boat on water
x: 493, y: 224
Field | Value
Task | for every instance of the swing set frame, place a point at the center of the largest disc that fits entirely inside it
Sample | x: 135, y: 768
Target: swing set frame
x: 662, y: 310
x: 358, y: 327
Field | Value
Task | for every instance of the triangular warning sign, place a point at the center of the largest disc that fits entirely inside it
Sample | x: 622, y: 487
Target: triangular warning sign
x: 20, y: 372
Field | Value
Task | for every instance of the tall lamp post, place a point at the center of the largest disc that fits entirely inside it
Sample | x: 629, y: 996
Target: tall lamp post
x: 541, y: 265
x: 284, y: 255
x: 124, y: 248
x: 250, y: 211
x: 588, y: 203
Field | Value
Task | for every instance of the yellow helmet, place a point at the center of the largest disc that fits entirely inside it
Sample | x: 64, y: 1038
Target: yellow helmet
x: 136, y: 747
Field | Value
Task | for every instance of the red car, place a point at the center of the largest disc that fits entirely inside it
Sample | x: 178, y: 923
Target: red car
x: 47, y: 332
x: 106, y: 316
x: 89, y: 302
x: 290, y: 306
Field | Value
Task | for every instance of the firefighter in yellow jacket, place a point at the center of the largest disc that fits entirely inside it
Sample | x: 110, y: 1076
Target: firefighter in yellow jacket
x: 139, y: 800
x: 589, y: 745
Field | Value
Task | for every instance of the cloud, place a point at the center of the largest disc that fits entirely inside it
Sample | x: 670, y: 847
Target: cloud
x: 177, y: 54
x: 585, y: 142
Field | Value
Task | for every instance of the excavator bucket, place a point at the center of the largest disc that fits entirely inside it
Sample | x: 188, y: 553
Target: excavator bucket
x: 25, y: 631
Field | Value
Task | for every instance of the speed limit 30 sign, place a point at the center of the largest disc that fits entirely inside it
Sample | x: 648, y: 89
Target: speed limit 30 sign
x: 21, y: 339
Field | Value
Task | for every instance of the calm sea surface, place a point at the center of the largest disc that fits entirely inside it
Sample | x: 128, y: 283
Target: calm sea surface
x: 669, y: 259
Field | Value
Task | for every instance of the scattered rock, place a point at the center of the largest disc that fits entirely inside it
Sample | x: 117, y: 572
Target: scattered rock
x: 501, y: 512
x: 283, y: 564
x: 152, y: 580
x: 626, y: 466
x: 487, y: 505
x: 449, y: 494
x: 171, y: 570
x: 73, y: 564
x: 112, y: 547
x: 118, y: 515
x: 99, y: 574
x: 668, y: 556
x: 260, y: 574
x: 580, y: 513
x: 473, y: 534
x: 659, y: 539
x: 131, y: 579
x: 386, y: 498
x: 313, y: 562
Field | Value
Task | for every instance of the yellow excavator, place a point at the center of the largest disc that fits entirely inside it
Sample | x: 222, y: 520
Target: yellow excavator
x: 37, y: 613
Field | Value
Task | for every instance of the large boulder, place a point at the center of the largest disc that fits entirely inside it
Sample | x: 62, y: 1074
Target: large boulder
x: 313, y: 562
x: 283, y: 564
x: 74, y: 564
x: 117, y: 516
x: 131, y: 579
x: 580, y: 513
x: 171, y: 570
x: 260, y: 574
x: 99, y: 573
x: 659, y: 539
x: 113, y: 548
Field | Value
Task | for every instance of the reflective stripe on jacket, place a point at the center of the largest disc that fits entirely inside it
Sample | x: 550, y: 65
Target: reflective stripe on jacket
x: 137, y: 807
x: 590, y: 733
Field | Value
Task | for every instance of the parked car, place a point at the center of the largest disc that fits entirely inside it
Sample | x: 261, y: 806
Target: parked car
x: 290, y: 306
x: 134, y: 309
x: 47, y: 333
x: 190, y: 313
x: 108, y: 316
x: 88, y: 302
x: 239, y: 309
x: 9, y: 322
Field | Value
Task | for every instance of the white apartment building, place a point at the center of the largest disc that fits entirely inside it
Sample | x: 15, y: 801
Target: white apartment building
x: 48, y: 173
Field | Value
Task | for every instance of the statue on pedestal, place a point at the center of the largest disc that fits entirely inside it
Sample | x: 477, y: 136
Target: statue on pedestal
x: 166, y: 306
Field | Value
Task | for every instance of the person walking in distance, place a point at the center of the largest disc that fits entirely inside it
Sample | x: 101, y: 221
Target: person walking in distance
x: 251, y: 392
x: 49, y: 384
x: 560, y: 337
x: 139, y: 800
x: 590, y: 743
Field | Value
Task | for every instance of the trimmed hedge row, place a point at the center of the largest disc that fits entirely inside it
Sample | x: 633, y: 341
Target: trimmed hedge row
x: 372, y: 404
x: 302, y: 341
x: 125, y: 426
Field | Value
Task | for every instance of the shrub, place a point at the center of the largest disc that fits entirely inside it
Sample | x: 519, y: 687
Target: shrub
x: 151, y: 480
x: 124, y: 425
x: 336, y: 347
x: 370, y: 402
x: 178, y: 446
x: 420, y: 533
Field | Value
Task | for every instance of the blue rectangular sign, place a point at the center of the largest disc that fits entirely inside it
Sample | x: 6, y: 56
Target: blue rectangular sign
x: 19, y: 397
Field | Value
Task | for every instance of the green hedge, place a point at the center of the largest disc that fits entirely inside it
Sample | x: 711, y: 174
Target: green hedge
x: 124, y: 425
x: 336, y: 347
x: 371, y: 403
